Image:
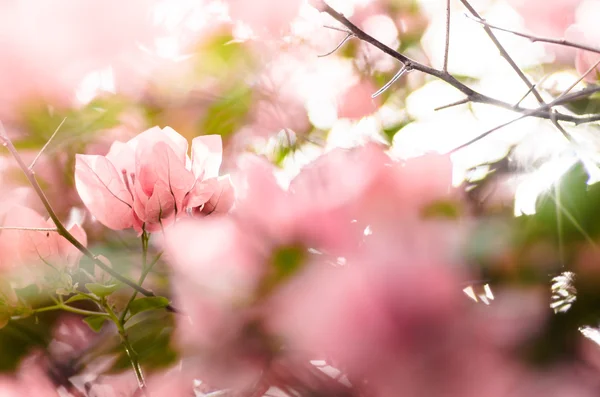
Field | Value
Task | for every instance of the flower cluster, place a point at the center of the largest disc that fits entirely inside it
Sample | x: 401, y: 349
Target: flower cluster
x: 150, y: 180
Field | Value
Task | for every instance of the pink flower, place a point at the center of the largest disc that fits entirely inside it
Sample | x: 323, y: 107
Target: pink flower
x: 46, y: 58
x: 264, y: 15
x: 546, y: 18
x: 586, y: 31
x: 38, y: 251
x: 148, y: 181
x: 356, y: 101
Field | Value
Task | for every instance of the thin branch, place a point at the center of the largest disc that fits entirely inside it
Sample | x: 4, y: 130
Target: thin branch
x: 31, y: 229
x: 336, y: 28
x: 61, y: 229
x: 447, y: 46
x: 558, y: 101
x: 488, y: 132
x: 561, y: 129
x: 387, y: 85
x: 504, y: 54
x: 450, y: 105
x: 472, y: 95
x: 594, y: 66
x: 534, y: 39
x: 525, y: 96
x: 519, y: 72
x: 348, y: 37
x: 46, y: 145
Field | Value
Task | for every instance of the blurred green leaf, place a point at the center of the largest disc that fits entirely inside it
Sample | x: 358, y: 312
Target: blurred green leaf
x: 30, y: 294
x: 589, y: 105
x: 100, y: 290
x: 220, y: 55
x: 18, y: 338
x: 151, y: 339
x: 285, y: 262
x: 76, y: 298
x: 100, y: 113
x: 148, y: 303
x: 391, y: 131
x: 228, y: 113
x: 442, y: 209
x: 570, y: 211
x: 95, y: 322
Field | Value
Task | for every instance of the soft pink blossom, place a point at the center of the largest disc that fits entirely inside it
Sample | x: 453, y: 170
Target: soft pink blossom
x: 36, y: 250
x: 545, y: 18
x: 272, y: 17
x: 148, y: 181
x: 50, y: 47
x: 585, y: 30
x: 356, y: 102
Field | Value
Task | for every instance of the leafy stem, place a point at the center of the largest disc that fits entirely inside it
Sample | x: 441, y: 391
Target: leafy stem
x: 61, y: 306
x: 131, y: 353
x: 60, y: 227
x: 146, y: 268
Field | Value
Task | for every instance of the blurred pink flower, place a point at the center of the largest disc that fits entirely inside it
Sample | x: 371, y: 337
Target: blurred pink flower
x: 356, y: 102
x: 272, y: 17
x: 210, y: 276
x: 49, y: 48
x: 37, y: 250
x: 549, y: 19
x: 403, y: 325
x: 545, y: 18
x: 372, y: 189
x: 585, y: 30
x: 149, y: 180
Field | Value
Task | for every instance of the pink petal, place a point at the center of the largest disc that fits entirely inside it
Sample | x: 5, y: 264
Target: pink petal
x: 143, y: 144
x: 122, y: 156
x: 164, y: 166
x: 223, y: 197
x: 103, y: 191
x: 207, y: 152
x: 201, y: 193
x: 139, y: 203
x: 160, y: 206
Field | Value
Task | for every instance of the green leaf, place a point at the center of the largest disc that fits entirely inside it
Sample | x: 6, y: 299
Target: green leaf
x: 95, y: 322
x: 76, y: 298
x: 148, y: 303
x: 151, y: 339
x: 101, y: 290
x: 18, y: 338
x: 441, y: 209
x: 228, y: 113
x: 285, y: 263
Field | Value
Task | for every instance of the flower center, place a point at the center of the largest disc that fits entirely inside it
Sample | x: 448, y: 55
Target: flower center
x: 126, y: 180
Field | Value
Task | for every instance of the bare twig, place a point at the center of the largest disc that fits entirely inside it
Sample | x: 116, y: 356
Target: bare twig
x: 534, y: 39
x: 60, y: 228
x: 558, y: 101
x: 30, y: 229
x: 525, y: 96
x: 504, y: 54
x: 46, y: 145
x: 447, y: 46
x: 387, y: 85
x: 348, y: 37
x: 519, y: 72
x: 472, y: 95
x: 450, y: 105
x: 574, y: 84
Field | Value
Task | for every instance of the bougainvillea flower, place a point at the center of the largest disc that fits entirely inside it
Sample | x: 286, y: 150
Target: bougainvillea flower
x: 148, y: 181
